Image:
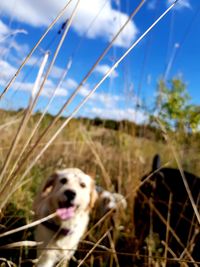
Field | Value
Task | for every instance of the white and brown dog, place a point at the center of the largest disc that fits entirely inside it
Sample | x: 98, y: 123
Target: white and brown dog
x: 110, y: 207
x: 71, y: 193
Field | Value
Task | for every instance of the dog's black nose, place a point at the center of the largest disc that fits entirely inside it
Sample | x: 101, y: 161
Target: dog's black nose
x: 70, y: 195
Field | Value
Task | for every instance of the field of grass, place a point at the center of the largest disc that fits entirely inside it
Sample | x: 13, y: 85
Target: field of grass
x: 117, y: 159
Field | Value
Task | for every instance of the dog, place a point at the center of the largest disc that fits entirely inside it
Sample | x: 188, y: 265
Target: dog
x: 164, y: 218
x: 108, y: 202
x: 107, y: 214
x: 71, y: 194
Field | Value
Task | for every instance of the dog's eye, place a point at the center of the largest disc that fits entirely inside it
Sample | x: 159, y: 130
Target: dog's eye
x: 63, y: 180
x: 83, y: 185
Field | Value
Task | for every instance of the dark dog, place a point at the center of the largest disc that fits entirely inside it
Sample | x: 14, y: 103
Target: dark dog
x: 165, y: 222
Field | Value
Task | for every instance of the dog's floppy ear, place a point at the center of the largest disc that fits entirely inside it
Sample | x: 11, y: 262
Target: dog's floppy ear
x: 45, y: 190
x: 93, y: 195
x: 49, y: 185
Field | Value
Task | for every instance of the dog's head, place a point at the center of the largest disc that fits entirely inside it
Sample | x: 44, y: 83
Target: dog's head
x: 68, y: 192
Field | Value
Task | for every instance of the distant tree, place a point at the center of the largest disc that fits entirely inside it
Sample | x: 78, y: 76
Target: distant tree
x: 173, y: 107
x: 97, y: 121
x: 111, y: 124
x: 194, y: 118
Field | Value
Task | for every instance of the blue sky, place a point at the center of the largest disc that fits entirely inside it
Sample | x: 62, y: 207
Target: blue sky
x: 172, y: 48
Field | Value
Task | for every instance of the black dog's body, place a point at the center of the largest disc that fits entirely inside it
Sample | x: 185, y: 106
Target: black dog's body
x: 161, y: 199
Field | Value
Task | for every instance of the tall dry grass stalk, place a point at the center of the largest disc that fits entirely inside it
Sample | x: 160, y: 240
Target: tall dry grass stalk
x: 5, y: 195
x: 172, y: 231
x: 51, y: 125
x: 177, y: 158
x: 33, y: 224
x: 61, y: 13
x: 106, y: 181
x: 102, y: 80
x: 21, y: 127
x: 167, y: 229
x: 95, y: 245
x: 33, y: 101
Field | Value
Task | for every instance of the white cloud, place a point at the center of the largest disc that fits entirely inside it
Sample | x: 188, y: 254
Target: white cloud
x: 105, y: 20
x: 70, y: 84
x: 56, y: 72
x: 111, y: 106
x: 151, y: 4
x: 7, y: 70
x: 117, y: 114
x: 100, y: 98
x: 149, y: 79
x: 13, y: 52
x: 10, y: 49
x: 4, y: 30
x: 19, y: 48
x: 103, y: 69
x: 109, y: 100
x: 34, y: 61
x: 181, y: 4
x: 22, y: 86
x: 24, y: 11
x: 106, y: 25
x: 101, y: 104
x: 50, y: 87
x: 48, y: 90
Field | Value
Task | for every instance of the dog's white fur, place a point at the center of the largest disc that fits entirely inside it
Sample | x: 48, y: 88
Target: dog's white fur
x: 107, y: 202
x: 52, y: 197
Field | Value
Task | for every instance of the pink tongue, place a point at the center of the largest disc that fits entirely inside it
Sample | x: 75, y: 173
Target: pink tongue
x: 65, y: 213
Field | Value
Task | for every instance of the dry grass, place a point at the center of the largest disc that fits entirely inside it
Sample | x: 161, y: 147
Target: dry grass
x: 116, y: 159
